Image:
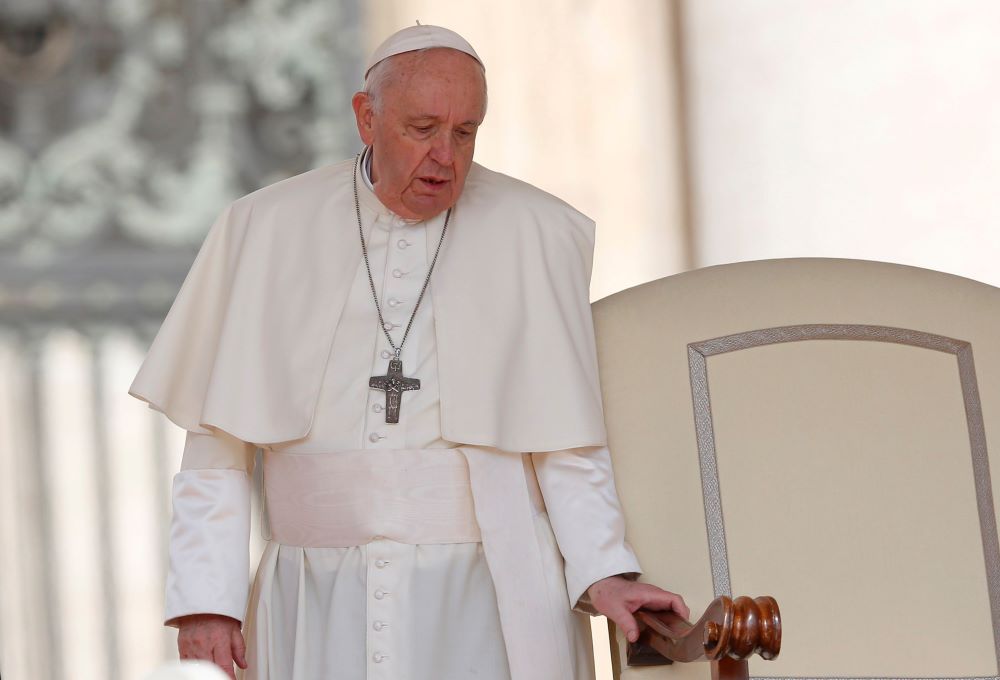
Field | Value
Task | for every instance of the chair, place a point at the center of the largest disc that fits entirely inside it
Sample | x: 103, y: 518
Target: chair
x: 819, y: 431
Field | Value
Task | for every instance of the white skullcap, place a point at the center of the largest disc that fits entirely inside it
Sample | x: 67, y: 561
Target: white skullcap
x: 417, y: 38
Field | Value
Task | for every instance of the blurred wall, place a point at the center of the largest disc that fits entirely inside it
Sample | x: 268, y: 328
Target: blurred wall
x: 846, y: 128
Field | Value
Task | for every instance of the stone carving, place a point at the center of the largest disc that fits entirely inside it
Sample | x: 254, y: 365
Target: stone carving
x: 128, y: 124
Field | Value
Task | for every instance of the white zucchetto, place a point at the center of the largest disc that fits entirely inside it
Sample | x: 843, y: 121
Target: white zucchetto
x: 417, y: 38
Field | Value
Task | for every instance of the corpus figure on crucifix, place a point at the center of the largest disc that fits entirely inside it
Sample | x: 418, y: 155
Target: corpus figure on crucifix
x: 393, y: 383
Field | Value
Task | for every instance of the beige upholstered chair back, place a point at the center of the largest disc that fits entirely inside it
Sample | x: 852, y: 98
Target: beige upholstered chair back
x: 821, y: 431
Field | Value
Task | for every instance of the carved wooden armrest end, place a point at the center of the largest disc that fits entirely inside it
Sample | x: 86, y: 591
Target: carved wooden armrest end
x: 729, y: 632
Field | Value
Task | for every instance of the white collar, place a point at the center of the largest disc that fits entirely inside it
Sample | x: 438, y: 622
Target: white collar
x: 366, y: 167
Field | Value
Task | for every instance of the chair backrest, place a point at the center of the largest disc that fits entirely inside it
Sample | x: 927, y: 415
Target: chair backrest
x: 821, y: 431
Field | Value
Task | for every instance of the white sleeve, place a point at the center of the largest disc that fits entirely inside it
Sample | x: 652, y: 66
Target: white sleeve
x: 209, y: 547
x: 579, y: 491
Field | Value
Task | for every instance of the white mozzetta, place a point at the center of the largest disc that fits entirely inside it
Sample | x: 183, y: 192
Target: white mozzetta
x: 518, y: 364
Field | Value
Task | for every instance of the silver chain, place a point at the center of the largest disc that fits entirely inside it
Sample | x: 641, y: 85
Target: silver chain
x: 371, y: 281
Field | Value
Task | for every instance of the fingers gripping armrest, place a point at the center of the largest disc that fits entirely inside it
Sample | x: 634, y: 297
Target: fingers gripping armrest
x: 584, y: 604
x: 209, y: 561
x: 586, y: 516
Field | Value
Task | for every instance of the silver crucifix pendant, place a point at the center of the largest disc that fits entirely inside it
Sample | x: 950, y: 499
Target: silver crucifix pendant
x: 394, y: 384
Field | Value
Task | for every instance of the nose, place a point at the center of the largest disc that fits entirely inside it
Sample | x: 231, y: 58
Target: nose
x: 442, y: 150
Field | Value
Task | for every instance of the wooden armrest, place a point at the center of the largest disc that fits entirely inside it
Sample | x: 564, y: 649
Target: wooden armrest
x: 729, y: 632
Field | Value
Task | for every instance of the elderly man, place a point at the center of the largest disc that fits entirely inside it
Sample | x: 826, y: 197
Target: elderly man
x: 408, y: 337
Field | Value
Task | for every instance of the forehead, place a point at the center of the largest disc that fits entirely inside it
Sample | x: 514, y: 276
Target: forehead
x: 439, y: 78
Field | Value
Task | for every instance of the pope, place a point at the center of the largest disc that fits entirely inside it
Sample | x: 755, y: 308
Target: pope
x: 407, y: 337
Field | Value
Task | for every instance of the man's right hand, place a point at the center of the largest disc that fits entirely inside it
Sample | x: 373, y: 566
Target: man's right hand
x: 212, y: 637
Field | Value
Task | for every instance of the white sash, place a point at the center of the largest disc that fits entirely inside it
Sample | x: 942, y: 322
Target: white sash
x: 348, y: 498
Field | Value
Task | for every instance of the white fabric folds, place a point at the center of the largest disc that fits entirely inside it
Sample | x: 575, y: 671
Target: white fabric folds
x: 245, y: 344
x: 209, y: 544
x: 312, y: 616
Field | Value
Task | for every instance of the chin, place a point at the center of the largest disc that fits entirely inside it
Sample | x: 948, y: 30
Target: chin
x: 426, y: 211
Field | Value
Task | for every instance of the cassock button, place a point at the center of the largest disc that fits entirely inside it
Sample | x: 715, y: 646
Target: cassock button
x: 374, y: 437
x: 378, y: 625
x: 393, y: 302
x: 380, y: 594
x: 379, y: 657
x: 388, y: 325
x: 402, y: 243
x: 377, y: 408
x: 381, y: 563
x: 398, y: 273
x: 386, y: 354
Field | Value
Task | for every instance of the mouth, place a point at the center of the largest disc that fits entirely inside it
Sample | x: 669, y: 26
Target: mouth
x: 433, y: 183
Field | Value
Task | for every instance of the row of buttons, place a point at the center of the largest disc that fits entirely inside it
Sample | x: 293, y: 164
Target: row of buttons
x: 392, y: 302
x: 379, y: 594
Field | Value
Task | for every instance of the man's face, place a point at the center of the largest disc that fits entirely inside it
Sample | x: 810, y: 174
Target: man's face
x: 425, y: 134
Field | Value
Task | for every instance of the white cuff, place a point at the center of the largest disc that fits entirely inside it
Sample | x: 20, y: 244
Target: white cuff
x: 209, y: 544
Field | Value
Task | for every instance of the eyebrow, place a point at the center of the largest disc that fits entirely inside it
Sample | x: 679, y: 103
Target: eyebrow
x: 431, y: 116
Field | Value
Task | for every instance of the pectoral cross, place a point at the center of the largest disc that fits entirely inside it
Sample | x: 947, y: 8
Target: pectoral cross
x: 394, y: 384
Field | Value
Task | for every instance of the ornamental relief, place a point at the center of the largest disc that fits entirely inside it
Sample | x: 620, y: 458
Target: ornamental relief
x: 137, y: 120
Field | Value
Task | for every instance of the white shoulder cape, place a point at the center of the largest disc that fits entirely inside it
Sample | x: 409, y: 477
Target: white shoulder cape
x: 247, y: 339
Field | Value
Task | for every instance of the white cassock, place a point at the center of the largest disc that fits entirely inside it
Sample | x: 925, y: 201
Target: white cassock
x: 377, y: 567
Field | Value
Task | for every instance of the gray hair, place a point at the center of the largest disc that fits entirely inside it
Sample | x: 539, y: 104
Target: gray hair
x: 383, y: 72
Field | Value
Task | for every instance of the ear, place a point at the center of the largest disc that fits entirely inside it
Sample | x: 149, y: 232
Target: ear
x: 363, y: 113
